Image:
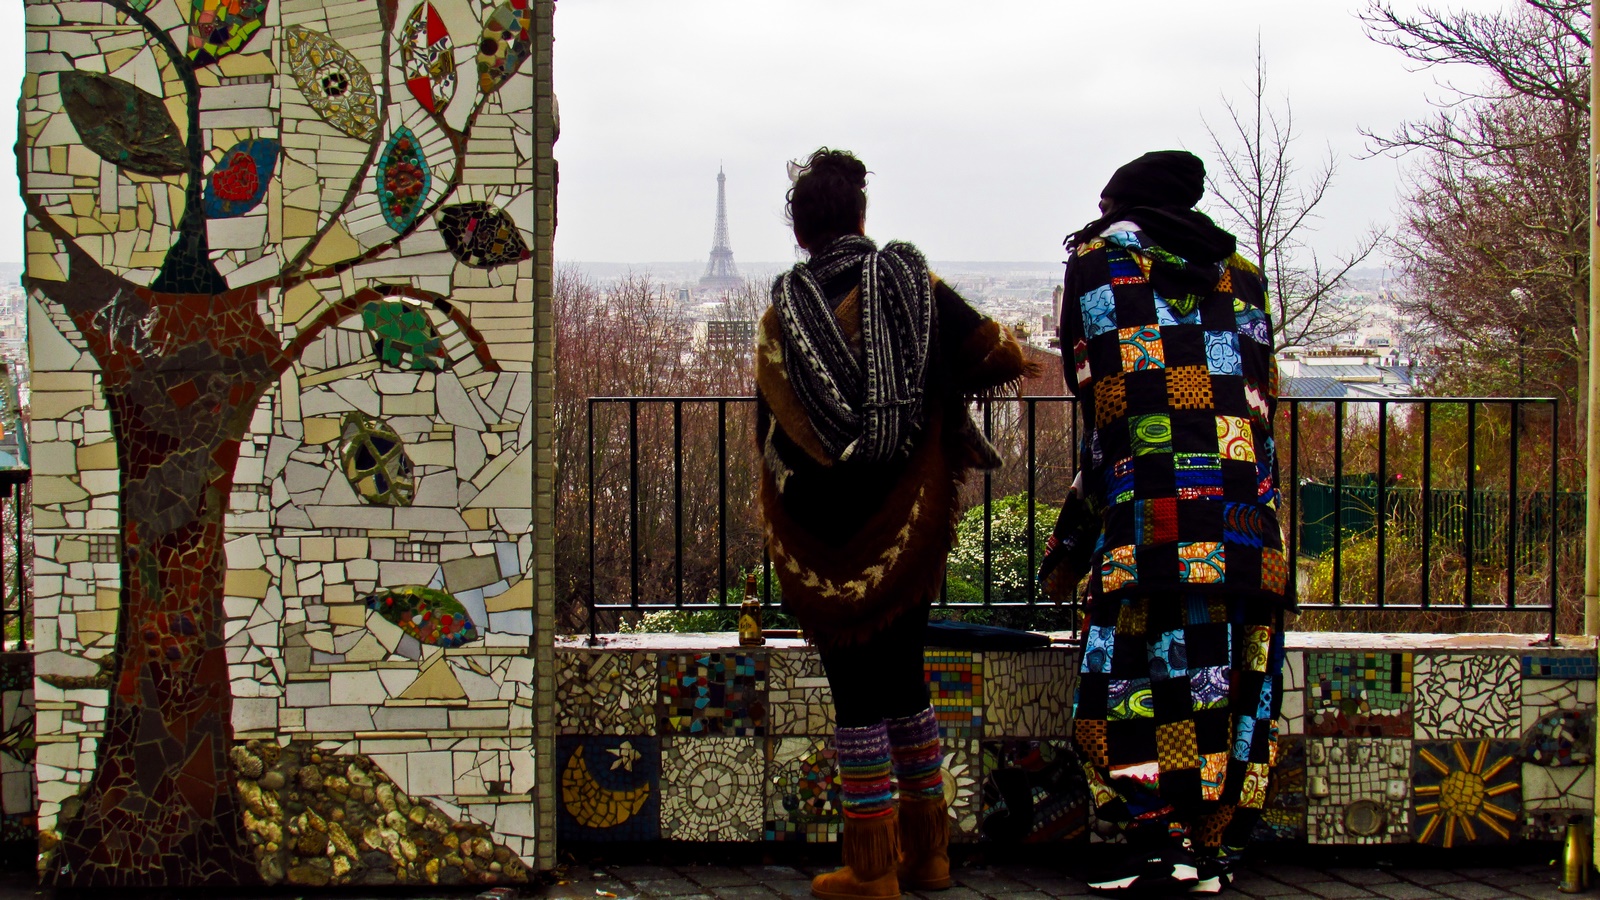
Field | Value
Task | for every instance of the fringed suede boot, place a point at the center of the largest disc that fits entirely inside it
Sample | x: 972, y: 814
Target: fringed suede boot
x: 924, y: 816
x: 871, y: 839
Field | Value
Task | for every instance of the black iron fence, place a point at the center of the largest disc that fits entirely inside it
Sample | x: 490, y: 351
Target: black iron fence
x: 16, y: 558
x: 1474, y: 515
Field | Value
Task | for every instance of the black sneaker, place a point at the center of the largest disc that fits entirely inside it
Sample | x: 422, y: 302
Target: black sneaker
x: 1159, y: 870
x: 1214, y: 876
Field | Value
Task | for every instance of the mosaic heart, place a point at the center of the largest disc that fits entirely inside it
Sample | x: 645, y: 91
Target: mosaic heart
x: 403, y: 336
x: 126, y: 126
x: 431, y: 616
x: 333, y: 82
x: 426, y: 58
x: 220, y: 27
x: 481, y: 235
x: 374, y: 461
x: 403, y: 180
x: 240, y: 180
x: 506, y: 43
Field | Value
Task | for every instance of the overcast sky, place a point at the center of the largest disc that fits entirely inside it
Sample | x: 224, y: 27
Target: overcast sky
x: 989, y: 127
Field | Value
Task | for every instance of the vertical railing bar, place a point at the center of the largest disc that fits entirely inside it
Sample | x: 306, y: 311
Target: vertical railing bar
x: 1555, y: 484
x: 1468, y: 544
x: 722, y: 501
x: 677, y: 502
x: 633, y: 502
x: 1338, y: 502
x: 22, y: 585
x: 1380, y: 564
x: 766, y: 575
x: 1427, y: 501
x: 1033, y: 565
x: 1294, y: 492
x: 1511, y: 513
x: 594, y: 638
x: 988, y: 506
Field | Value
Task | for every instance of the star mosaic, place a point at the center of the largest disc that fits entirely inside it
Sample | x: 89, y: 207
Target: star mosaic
x: 1029, y: 694
x: 798, y: 698
x: 1033, y: 792
x: 1465, y: 792
x: 712, y: 693
x: 1359, y: 694
x: 605, y: 692
x: 956, y: 689
x: 609, y: 788
x: 712, y: 788
x: 1469, y: 695
x: 802, y: 791
x: 1358, y: 790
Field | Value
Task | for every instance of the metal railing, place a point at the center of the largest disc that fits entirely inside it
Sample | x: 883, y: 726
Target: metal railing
x: 678, y: 478
x: 16, y: 547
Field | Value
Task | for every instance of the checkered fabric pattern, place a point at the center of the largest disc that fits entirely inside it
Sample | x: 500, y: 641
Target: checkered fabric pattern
x: 1176, y: 710
x: 1173, y: 363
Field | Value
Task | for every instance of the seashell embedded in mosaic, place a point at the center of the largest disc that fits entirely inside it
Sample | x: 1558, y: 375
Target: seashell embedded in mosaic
x: 374, y: 460
x: 429, y: 615
x: 333, y: 82
x: 427, y: 60
x: 124, y: 125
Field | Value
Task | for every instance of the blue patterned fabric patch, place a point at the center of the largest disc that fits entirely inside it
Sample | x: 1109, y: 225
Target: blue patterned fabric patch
x: 1222, y: 353
x: 1119, y: 481
x: 1243, y: 523
x: 1208, y: 687
x: 1097, y: 649
x: 1169, y: 656
x: 1099, y: 311
x: 1252, y: 323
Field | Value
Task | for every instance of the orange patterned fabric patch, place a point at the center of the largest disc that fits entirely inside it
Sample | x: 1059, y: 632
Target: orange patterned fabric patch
x: 1110, y: 400
x: 1189, y: 387
x: 1091, y: 737
x: 1213, y: 774
x: 1274, y: 570
x: 1201, y: 562
x: 1235, y: 439
x: 1141, y: 348
x: 1176, y: 748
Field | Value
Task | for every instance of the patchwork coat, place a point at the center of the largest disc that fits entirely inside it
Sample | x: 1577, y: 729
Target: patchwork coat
x: 1173, y: 367
x: 854, y: 544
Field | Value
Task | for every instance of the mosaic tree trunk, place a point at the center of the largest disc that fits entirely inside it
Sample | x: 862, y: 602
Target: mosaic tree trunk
x: 185, y: 359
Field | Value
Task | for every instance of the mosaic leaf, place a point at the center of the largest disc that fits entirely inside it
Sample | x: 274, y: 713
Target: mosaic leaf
x: 507, y: 42
x: 430, y: 615
x: 334, y: 83
x: 481, y: 235
x: 220, y: 27
x: 426, y: 58
x: 240, y: 179
x: 126, y: 126
x: 403, y: 179
x: 375, y: 461
x: 403, y: 336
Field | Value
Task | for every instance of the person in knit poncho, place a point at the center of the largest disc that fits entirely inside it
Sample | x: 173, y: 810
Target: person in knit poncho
x: 864, y: 362
x: 1167, y: 344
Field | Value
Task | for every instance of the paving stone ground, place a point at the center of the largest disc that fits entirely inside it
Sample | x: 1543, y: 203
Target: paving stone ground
x: 1035, y: 882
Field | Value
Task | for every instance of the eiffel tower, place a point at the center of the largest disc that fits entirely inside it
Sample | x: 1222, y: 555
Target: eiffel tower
x: 720, y: 271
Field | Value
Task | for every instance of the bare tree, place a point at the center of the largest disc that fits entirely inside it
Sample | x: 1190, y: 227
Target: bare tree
x: 1272, y: 207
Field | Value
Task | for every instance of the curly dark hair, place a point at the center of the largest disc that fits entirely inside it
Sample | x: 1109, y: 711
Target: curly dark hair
x: 828, y: 198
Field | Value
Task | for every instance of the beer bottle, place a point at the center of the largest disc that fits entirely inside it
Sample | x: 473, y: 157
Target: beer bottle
x: 750, y: 615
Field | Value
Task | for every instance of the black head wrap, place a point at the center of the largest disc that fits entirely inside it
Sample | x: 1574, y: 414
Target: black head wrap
x: 1157, y: 192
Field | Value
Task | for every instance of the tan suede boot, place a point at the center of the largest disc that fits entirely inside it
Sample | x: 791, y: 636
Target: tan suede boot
x: 924, y: 844
x: 871, y: 850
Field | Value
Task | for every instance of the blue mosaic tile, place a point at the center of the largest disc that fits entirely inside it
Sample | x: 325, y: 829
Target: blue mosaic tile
x: 955, y: 688
x: 610, y: 788
x: 712, y: 694
x: 1535, y: 666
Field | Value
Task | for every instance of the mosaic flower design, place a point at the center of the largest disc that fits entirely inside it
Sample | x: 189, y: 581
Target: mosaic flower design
x: 506, y: 44
x: 481, y: 235
x: 240, y: 178
x: 125, y: 126
x: 1462, y: 786
x: 711, y: 789
x: 426, y: 58
x: 220, y: 27
x: 333, y: 82
x: 962, y: 769
x: 403, y: 180
x: 430, y: 615
x: 375, y: 462
x: 403, y: 336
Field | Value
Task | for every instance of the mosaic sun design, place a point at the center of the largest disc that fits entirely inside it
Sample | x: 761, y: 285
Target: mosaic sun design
x: 1466, y: 796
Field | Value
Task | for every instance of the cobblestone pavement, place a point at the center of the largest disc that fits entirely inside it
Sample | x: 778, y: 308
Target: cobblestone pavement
x: 1019, y: 882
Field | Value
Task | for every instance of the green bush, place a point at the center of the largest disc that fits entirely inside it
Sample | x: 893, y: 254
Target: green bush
x: 1010, y: 578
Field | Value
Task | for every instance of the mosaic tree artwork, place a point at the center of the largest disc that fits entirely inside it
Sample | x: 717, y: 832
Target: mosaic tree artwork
x: 210, y: 186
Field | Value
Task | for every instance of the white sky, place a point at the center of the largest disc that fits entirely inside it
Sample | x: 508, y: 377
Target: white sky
x: 989, y: 127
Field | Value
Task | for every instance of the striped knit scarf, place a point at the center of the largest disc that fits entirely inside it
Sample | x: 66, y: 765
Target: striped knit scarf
x: 870, y: 408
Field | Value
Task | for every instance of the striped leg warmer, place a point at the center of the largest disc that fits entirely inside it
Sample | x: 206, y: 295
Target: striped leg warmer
x: 917, y: 756
x: 864, y: 771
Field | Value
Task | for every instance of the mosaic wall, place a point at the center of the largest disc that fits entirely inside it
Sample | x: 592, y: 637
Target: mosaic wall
x: 1452, y: 746
x: 282, y: 258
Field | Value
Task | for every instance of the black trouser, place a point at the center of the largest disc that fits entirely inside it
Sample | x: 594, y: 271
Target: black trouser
x: 881, y: 678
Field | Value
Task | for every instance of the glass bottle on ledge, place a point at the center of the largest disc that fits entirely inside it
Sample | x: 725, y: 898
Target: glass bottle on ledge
x: 750, y: 615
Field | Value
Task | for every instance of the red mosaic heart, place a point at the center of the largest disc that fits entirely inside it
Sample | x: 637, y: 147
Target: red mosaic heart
x: 237, y: 181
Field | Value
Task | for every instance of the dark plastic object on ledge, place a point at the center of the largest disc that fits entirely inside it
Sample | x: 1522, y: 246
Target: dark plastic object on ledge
x: 968, y: 636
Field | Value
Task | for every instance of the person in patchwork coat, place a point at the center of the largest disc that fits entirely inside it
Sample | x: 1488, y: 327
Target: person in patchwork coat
x: 1167, y: 344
